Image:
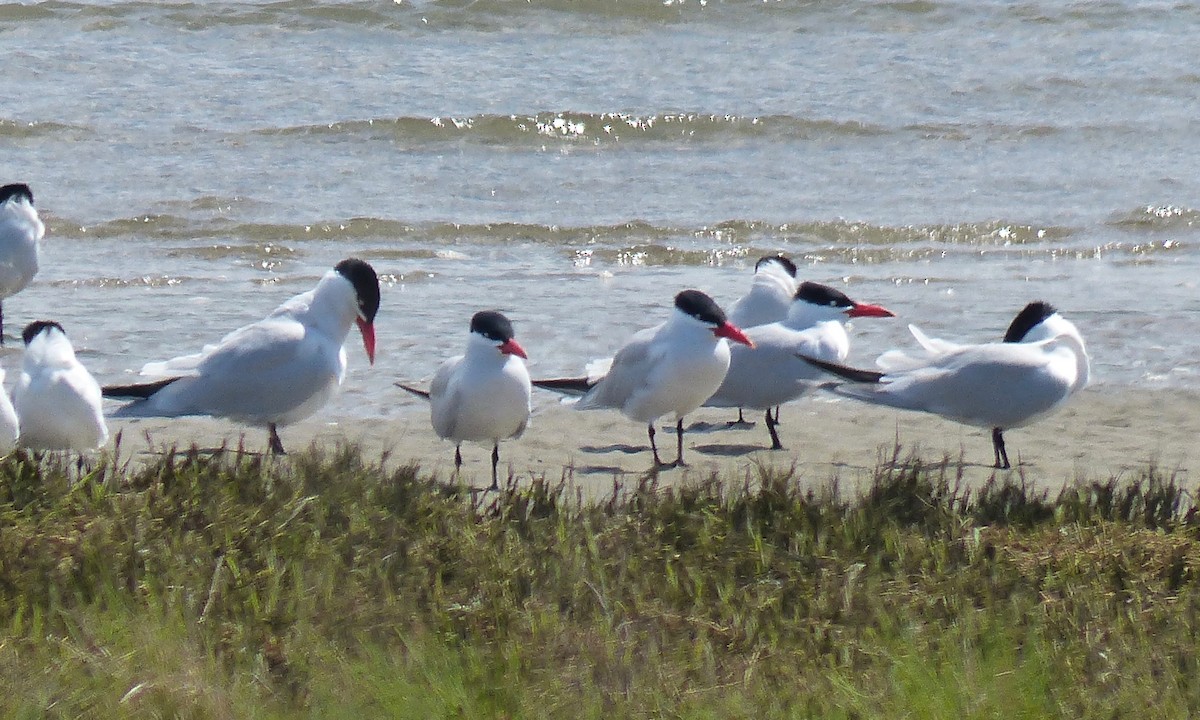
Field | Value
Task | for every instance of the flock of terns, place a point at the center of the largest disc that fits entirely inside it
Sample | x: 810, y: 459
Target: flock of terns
x: 782, y: 340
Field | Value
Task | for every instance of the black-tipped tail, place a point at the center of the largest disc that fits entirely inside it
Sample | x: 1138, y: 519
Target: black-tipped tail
x: 842, y: 371
x: 139, y: 390
x: 567, y: 386
x: 415, y: 391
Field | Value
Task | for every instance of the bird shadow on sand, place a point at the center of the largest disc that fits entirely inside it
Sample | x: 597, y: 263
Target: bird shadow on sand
x: 607, y: 449
x: 601, y: 470
x: 709, y: 427
x: 615, y: 447
x: 728, y: 449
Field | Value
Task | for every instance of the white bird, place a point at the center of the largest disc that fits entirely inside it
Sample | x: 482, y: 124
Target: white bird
x: 768, y: 301
x: 771, y: 374
x: 274, y: 372
x: 20, y: 231
x: 1004, y: 385
x: 670, y: 368
x: 482, y: 395
x: 57, y: 400
x: 10, y: 426
x: 770, y: 295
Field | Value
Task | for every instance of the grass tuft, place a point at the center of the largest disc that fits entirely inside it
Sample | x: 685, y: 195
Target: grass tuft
x: 230, y: 585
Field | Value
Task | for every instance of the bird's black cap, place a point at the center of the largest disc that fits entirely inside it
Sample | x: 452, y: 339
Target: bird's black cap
x: 700, y: 306
x: 15, y: 190
x: 366, y: 285
x: 36, y: 327
x: 1030, y: 317
x: 783, y: 260
x: 492, y: 325
x: 823, y: 295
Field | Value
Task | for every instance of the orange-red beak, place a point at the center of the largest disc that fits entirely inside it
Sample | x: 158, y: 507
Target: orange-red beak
x: 868, y: 310
x: 734, y: 333
x: 368, y: 335
x: 512, y: 347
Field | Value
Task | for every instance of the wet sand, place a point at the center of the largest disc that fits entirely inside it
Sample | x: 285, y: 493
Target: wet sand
x: 1101, y: 433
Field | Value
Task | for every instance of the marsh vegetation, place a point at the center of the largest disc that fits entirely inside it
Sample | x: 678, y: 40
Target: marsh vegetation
x: 329, y: 584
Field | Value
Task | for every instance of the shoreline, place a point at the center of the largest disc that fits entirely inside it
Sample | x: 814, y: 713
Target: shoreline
x: 1101, y: 433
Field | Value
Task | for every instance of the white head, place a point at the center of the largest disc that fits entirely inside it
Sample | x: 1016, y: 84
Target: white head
x: 696, y: 308
x: 46, y: 344
x: 492, y: 332
x: 779, y: 266
x: 349, y: 292
x: 16, y: 200
x: 815, y: 303
x: 1039, y: 321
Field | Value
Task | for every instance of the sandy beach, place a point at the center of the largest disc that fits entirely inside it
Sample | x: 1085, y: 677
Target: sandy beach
x: 1101, y: 433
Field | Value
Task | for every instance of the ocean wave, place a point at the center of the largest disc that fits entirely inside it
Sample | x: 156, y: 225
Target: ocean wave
x: 1157, y: 217
x: 243, y: 236
x: 583, y: 127
x: 608, y: 128
x: 408, y: 15
x: 20, y: 129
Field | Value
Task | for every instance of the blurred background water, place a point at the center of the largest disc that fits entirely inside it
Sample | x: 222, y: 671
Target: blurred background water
x: 576, y: 163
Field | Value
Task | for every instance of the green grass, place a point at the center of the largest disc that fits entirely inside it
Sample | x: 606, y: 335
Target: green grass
x: 326, y: 584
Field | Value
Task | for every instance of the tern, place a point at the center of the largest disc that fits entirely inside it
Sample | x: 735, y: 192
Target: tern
x: 670, y: 368
x: 771, y: 374
x: 770, y: 295
x: 20, y: 231
x: 1004, y: 385
x: 274, y: 372
x: 768, y: 301
x: 482, y: 395
x: 57, y: 400
x: 10, y: 427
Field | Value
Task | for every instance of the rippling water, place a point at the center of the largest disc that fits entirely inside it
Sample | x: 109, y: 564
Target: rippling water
x: 575, y: 163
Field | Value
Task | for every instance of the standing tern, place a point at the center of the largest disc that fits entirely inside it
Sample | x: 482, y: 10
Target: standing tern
x: 768, y: 300
x: 482, y: 395
x: 57, y: 400
x: 1010, y: 384
x: 771, y: 374
x: 670, y: 368
x: 20, y: 231
x: 770, y: 295
x: 10, y: 427
x: 274, y: 372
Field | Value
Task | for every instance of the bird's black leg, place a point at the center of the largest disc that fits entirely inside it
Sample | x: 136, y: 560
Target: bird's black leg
x: 495, y: 462
x: 653, y: 447
x: 274, y: 442
x: 777, y: 423
x: 679, y: 444
x: 457, y: 457
x: 771, y: 423
x: 998, y: 446
x: 1, y: 323
x: 740, y: 422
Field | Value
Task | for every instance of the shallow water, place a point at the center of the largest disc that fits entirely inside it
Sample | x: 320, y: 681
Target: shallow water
x: 576, y: 163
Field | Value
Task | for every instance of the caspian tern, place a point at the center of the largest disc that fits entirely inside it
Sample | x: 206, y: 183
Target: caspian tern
x: 10, y: 427
x: 770, y: 295
x: 20, y: 231
x: 1004, y: 385
x: 482, y: 395
x: 771, y: 374
x: 670, y: 368
x: 768, y: 300
x: 57, y: 400
x: 273, y: 372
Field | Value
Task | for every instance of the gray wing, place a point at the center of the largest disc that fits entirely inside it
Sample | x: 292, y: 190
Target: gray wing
x: 630, y: 368
x: 444, y: 398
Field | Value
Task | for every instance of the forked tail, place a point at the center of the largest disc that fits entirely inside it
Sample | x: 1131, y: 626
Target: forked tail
x: 566, y: 386
x: 139, y: 391
x: 415, y: 391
